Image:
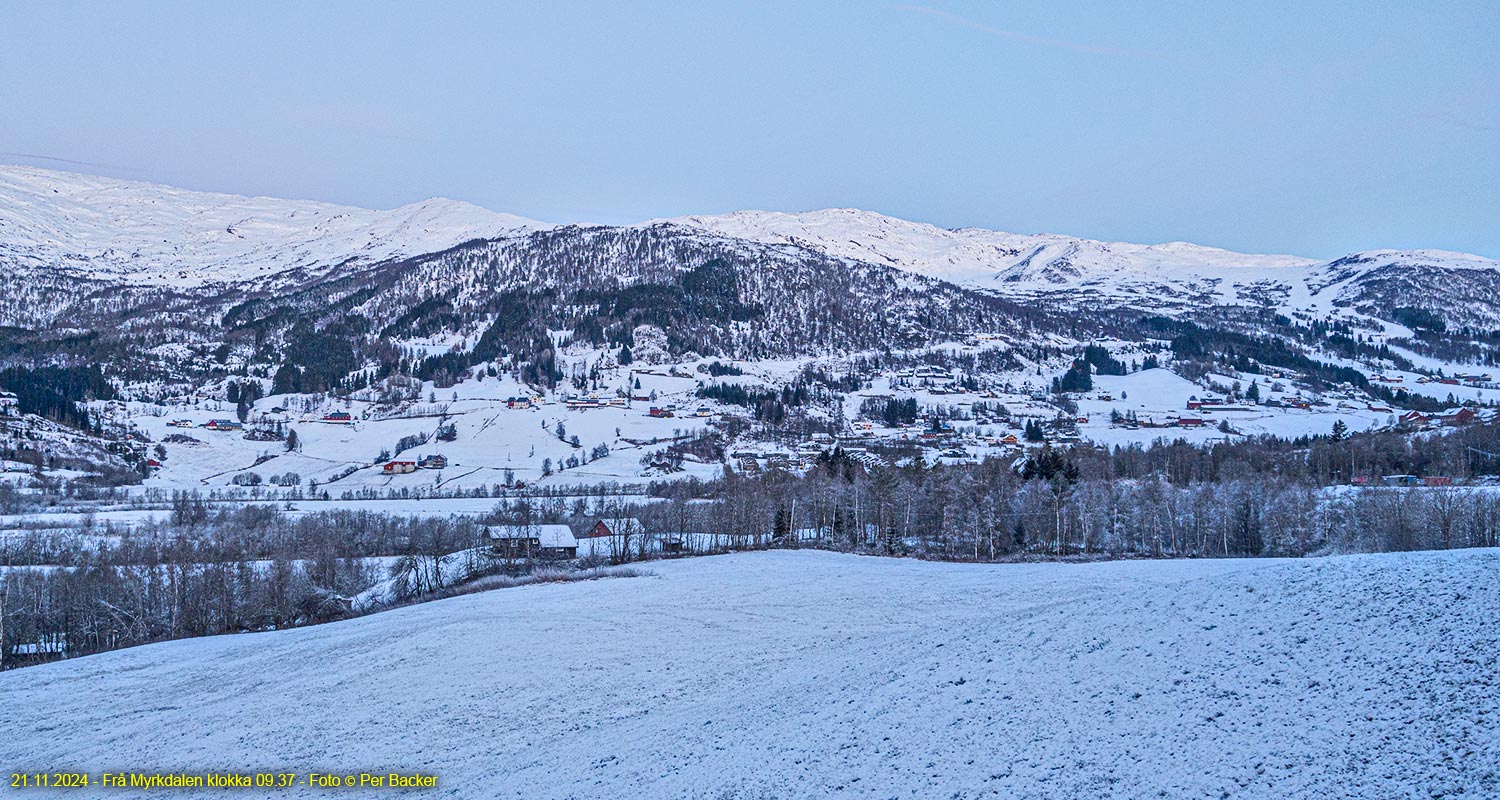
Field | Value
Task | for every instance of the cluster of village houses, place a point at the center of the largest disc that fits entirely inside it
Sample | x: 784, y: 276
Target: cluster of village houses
x: 1411, y: 420
x: 1474, y: 380
x: 591, y: 401
x: 939, y: 434
x: 332, y: 418
x: 404, y: 467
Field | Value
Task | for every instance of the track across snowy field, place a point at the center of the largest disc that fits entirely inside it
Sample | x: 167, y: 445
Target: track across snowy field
x: 807, y: 674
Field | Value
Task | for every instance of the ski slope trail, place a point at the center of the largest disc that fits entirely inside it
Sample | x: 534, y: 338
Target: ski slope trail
x: 809, y: 674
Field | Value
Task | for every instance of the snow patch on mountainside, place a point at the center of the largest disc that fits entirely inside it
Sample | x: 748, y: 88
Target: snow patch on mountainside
x: 145, y: 234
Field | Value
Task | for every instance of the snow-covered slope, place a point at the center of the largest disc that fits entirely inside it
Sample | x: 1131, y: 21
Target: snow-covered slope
x: 145, y: 234
x: 808, y: 674
x: 1461, y: 288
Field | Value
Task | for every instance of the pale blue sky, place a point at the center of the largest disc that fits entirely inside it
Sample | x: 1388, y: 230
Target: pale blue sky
x: 1312, y: 128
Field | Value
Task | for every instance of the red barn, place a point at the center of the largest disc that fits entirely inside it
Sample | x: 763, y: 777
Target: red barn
x: 625, y: 526
x: 1463, y: 416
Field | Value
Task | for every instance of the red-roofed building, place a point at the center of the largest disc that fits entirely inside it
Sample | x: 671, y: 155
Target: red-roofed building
x: 1463, y: 416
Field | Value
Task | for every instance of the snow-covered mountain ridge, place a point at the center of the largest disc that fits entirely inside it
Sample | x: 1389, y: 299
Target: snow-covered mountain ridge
x: 1052, y: 264
x: 970, y: 255
x: 144, y: 234
x: 60, y: 229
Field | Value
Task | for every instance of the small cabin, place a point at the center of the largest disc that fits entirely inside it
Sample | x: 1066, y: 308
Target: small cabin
x: 1190, y: 422
x: 399, y: 467
x: 223, y: 425
x: 434, y: 461
x: 339, y: 418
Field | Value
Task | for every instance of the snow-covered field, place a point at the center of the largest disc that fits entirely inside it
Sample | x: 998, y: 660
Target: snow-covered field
x: 493, y: 442
x: 807, y: 674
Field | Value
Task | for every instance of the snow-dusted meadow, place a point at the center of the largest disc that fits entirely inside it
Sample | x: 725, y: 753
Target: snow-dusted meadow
x: 808, y: 674
x: 493, y: 441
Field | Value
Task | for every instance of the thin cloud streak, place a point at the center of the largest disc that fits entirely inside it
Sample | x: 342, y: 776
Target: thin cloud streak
x: 35, y: 157
x: 1038, y: 40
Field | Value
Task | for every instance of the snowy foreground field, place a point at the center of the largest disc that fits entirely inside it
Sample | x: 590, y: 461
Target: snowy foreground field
x: 806, y: 674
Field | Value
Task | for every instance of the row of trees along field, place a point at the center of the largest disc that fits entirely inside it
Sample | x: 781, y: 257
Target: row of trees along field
x: 208, y: 570
x: 1251, y: 497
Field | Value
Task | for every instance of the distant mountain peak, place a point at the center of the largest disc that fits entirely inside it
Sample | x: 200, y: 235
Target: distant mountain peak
x: 146, y: 234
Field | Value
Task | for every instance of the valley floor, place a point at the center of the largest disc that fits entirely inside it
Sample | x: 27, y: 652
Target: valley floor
x: 809, y: 674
